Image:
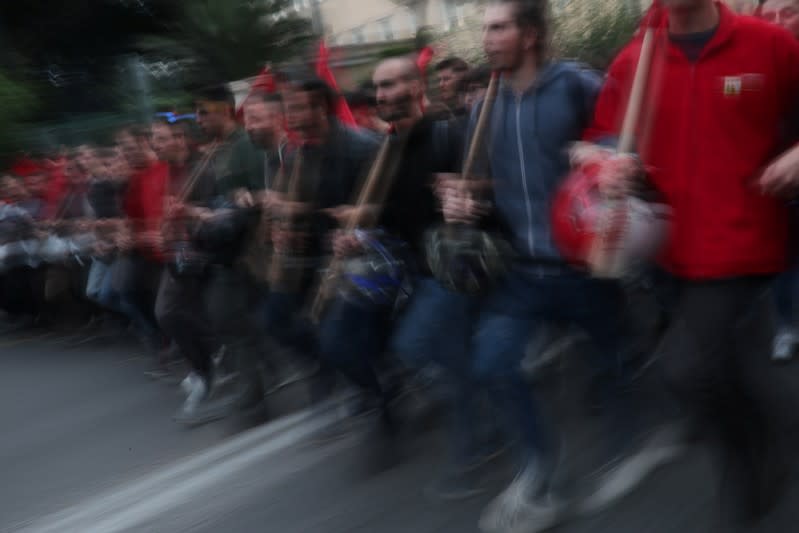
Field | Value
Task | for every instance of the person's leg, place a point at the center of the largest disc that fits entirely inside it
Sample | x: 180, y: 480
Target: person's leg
x: 597, y: 308
x: 511, y: 316
x: 787, y: 337
x: 230, y: 298
x: 714, y: 331
x: 133, y: 286
x: 436, y: 328
x: 351, y: 337
x: 94, y: 284
x: 180, y: 313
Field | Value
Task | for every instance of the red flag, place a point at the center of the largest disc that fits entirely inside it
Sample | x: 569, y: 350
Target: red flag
x: 343, y: 112
x: 422, y: 61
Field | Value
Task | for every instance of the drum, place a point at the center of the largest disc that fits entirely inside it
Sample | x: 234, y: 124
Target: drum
x: 466, y: 259
x: 379, y: 276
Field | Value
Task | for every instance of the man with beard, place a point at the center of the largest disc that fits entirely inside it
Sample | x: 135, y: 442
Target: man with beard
x: 320, y: 174
x: 200, y: 305
x: 541, y: 107
x: 355, y: 328
x: 727, y: 85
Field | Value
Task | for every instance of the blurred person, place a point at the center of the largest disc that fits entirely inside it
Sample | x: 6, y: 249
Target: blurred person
x: 363, y: 105
x: 714, y: 167
x: 64, y: 287
x: 449, y: 73
x: 163, y: 142
x: 138, y: 267
x: 18, y: 280
x: 355, y: 331
x: 542, y: 106
x: 786, y: 14
x: 201, y: 300
x: 473, y: 86
x: 105, y: 195
x: 329, y: 160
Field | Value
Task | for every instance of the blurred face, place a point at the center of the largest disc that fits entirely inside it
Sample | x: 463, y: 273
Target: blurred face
x: 163, y: 143
x: 305, y: 116
x: 37, y: 184
x: 86, y: 160
x: 398, y: 90
x: 448, y: 81
x: 181, y: 143
x: 474, y: 94
x: 12, y: 189
x: 263, y: 122
x: 783, y: 12
x: 115, y: 166
x: 73, y: 172
x: 504, y: 42
x: 212, y: 117
x: 131, y: 149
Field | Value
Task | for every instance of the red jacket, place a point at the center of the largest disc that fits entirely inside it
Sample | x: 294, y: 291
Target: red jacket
x: 710, y: 128
x: 144, y: 200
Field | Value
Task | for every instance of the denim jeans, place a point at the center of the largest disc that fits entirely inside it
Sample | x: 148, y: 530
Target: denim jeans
x: 127, y: 291
x: 352, y: 336
x: 436, y: 328
x: 509, y: 318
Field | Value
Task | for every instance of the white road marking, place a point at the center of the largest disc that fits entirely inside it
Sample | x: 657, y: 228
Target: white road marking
x: 132, y: 504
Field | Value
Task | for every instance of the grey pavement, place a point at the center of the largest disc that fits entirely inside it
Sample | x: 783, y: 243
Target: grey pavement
x: 89, y: 445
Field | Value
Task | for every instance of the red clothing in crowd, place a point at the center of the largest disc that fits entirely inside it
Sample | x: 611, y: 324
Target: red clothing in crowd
x: 710, y: 129
x: 144, y: 200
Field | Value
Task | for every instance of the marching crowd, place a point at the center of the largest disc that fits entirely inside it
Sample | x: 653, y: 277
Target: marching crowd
x: 297, y: 236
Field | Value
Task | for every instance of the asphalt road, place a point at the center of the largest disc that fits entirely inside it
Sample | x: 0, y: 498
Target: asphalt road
x: 89, y: 446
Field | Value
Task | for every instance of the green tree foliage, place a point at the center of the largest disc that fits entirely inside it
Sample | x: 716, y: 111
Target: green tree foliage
x: 17, y: 103
x: 593, y: 31
x: 226, y: 40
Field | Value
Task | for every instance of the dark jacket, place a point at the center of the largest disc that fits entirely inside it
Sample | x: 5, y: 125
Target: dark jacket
x: 411, y: 207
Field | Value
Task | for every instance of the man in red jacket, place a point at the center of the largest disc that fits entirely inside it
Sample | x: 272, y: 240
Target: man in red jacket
x: 138, y: 272
x: 722, y: 86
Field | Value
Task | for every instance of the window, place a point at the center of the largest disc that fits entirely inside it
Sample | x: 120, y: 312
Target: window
x: 412, y: 22
x: 449, y: 14
x: 357, y: 35
x: 385, y: 29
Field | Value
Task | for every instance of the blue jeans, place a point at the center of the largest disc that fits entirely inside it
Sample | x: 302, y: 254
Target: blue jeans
x: 352, y: 336
x: 120, y: 292
x: 509, y: 318
x: 436, y: 328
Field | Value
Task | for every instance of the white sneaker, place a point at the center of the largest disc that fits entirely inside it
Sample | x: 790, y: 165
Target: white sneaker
x: 187, y: 385
x: 784, y: 345
x: 518, y: 509
x: 626, y: 474
x: 199, y: 391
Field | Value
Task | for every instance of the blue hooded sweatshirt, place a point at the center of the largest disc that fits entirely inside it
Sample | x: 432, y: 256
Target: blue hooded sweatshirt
x: 528, y: 143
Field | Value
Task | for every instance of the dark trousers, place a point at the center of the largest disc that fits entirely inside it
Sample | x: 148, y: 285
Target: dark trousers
x: 180, y: 310
x: 715, y: 360
x: 352, y: 336
x: 514, y: 313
